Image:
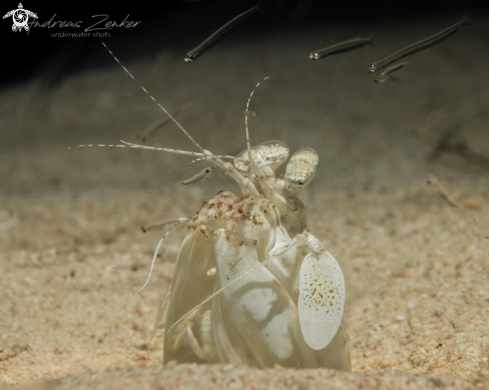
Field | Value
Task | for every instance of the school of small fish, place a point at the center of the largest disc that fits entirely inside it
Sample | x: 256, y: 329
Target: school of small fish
x: 341, y: 47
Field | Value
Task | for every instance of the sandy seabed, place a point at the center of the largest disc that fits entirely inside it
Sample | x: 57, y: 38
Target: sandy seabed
x: 416, y: 269
x: 416, y: 277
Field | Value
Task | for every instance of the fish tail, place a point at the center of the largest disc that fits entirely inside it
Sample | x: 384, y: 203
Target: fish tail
x: 467, y: 19
x: 259, y: 7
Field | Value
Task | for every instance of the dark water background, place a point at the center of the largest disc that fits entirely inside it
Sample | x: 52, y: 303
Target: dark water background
x: 60, y: 91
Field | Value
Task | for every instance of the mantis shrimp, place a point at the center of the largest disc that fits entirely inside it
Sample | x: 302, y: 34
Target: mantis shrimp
x: 252, y: 285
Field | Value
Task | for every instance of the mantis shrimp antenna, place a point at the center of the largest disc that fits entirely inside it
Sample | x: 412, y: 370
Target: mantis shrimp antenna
x: 179, y: 221
x: 159, y: 105
x: 136, y: 146
x: 248, y: 144
x: 208, y: 158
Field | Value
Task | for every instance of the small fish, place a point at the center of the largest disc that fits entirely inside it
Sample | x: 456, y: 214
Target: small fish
x: 204, y: 175
x: 192, y: 55
x: 442, y: 192
x: 385, y: 75
x: 424, y: 44
x: 341, y: 47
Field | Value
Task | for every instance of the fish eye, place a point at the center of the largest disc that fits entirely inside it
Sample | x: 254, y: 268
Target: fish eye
x: 255, y: 242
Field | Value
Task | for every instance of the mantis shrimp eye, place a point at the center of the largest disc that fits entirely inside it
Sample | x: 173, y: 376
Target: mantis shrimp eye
x: 268, y: 155
x: 301, y: 169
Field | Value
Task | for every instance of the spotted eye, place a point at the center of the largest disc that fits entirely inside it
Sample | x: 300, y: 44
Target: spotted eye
x: 268, y: 155
x: 300, y: 170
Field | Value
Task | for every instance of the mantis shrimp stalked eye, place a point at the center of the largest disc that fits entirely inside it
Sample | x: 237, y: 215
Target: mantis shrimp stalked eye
x: 301, y: 170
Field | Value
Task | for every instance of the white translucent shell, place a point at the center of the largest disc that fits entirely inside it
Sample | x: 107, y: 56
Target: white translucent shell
x: 321, y: 299
x: 259, y: 306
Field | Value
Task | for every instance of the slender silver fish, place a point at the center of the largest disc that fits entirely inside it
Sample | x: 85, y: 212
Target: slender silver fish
x: 341, y: 47
x: 192, y: 55
x: 385, y: 75
x: 424, y: 44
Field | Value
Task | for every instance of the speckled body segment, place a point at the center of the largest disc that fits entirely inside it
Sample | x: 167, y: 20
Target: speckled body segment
x: 321, y: 298
x: 301, y: 169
